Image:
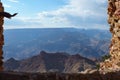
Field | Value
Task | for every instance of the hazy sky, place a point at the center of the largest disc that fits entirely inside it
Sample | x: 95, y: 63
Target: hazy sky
x: 56, y: 13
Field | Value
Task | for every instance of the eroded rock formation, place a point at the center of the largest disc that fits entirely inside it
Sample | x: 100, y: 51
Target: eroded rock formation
x: 1, y: 36
x: 113, y: 63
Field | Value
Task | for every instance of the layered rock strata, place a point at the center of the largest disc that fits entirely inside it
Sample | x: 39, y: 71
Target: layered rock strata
x: 113, y: 63
x: 1, y: 37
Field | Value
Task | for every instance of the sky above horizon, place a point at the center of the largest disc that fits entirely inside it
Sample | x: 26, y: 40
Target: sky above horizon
x: 56, y: 14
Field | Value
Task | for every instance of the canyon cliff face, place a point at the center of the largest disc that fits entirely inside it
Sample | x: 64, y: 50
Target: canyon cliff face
x: 50, y: 62
x: 113, y: 63
x: 91, y: 43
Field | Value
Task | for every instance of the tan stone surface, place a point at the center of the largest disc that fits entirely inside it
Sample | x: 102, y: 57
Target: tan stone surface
x: 113, y: 63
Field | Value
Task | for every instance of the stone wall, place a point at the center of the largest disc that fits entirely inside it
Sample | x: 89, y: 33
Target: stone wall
x: 113, y: 63
x: 1, y: 37
x: 58, y: 76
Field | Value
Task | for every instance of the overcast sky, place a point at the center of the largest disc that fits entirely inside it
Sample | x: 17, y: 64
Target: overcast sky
x: 56, y: 13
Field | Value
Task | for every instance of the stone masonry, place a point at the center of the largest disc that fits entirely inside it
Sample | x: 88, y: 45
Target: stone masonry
x: 1, y: 37
x: 113, y: 63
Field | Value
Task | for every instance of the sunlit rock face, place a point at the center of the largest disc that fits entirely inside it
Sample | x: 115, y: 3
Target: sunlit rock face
x: 1, y: 37
x: 113, y: 63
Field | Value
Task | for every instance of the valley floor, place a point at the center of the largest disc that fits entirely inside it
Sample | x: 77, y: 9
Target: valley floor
x: 58, y: 76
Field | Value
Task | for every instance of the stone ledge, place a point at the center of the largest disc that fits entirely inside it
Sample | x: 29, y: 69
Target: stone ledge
x: 58, y: 76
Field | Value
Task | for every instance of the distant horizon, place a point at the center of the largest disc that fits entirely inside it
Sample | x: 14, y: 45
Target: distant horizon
x: 57, y: 28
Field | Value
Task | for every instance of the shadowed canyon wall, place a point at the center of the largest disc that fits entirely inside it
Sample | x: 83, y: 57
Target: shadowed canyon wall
x: 1, y: 37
